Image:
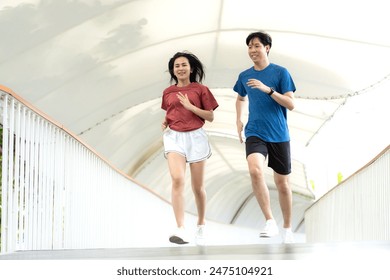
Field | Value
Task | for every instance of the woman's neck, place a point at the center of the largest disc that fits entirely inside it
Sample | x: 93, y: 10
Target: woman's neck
x: 183, y: 83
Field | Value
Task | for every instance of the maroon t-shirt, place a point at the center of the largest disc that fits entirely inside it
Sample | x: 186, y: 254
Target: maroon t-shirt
x: 178, y: 117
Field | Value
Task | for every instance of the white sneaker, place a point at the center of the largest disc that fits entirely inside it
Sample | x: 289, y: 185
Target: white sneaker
x: 200, y: 236
x: 179, y: 237
x: 288, y: 236
x: 270, y: 229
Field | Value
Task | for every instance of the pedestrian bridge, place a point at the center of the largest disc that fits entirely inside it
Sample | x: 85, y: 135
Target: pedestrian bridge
x: 61, y: 200
x: 82, y: 171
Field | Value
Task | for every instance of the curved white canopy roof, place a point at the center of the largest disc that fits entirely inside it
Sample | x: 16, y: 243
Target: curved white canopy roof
x: 99, y: 68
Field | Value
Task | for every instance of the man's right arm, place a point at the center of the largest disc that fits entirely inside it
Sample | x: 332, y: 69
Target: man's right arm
x: 240, y: 102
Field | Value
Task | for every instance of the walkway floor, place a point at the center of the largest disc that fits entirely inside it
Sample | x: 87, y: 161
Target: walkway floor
x: 299, y: 251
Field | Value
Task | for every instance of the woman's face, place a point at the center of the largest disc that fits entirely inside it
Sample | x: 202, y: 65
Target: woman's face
x: 182, y: 68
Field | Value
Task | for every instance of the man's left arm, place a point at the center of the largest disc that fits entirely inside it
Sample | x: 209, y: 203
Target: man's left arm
x: 285, y: 100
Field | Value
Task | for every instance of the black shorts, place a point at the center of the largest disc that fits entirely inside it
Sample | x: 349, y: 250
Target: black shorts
x: 279, y: 156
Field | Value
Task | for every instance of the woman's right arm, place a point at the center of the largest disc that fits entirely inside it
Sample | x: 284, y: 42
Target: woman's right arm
x: 164, y: 125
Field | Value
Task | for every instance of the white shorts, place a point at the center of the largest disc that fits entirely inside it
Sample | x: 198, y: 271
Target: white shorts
x: 193, y: 145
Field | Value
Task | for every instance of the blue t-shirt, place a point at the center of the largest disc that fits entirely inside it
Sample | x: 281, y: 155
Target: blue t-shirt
x: 267, y: 119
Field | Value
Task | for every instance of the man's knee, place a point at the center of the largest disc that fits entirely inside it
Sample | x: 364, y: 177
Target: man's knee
x: 256, y: 173
x: 283, y: 186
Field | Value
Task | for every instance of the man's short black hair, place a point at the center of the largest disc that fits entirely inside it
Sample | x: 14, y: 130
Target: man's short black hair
x: 264, y: 38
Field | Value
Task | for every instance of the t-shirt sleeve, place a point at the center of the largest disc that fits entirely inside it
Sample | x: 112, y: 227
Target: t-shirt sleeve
x: 286, y: 82
x: 208, y: 100
x: 163, y: 102
x: 239, y: 87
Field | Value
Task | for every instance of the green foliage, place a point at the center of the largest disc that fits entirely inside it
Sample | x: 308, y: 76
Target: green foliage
x: 312, y: 185
x: 339, y: 177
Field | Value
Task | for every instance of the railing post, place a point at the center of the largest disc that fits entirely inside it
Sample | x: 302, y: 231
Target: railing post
x: 4, y: 177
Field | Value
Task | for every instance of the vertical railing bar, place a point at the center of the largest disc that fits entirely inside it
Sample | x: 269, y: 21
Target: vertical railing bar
x: 99, y: 182
x: 11, y: 193
x: 48, y: 164
x: 32, y: 182
x: 102, y: 183
x: 51, y: 165
x: 17, y: 203
x: 55, y: 193
x: 95, y: 196
x: 63, y: 190
x: 80, y: 179
x: 36, y: 189
x: 21, y: 179
x: 70, y: 189
x: 75, y: 195
x: 58, y: 197
x: 43, y: 182
x: 30, y: 179
x: 89, y: 196
x: 86, y: 185
x: 83, y: 196
x: 39, y: 181
x: 29, y: 185
x: 4, y: 182
x: 67, y: 195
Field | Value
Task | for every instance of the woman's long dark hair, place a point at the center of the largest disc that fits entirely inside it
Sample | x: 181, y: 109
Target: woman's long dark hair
x: 197, y: 72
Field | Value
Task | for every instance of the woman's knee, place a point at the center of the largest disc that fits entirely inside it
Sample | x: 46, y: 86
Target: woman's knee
x: 177, y: 182
x: 199, y: 190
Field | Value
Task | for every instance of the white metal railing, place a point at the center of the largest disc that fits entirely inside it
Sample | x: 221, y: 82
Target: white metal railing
x: 358, y: 209
x: 56, y: 192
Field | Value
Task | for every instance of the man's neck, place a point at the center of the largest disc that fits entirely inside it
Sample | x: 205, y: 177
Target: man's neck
x: 261, y: 65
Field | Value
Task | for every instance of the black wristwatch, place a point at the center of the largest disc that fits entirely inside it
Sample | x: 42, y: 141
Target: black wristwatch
x: 271, y: 91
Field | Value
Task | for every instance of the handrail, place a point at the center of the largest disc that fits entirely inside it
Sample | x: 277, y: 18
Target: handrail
x: 55, y: 187
x: 62, y: 127
x: 357, y: 209
x: 353, y: 175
